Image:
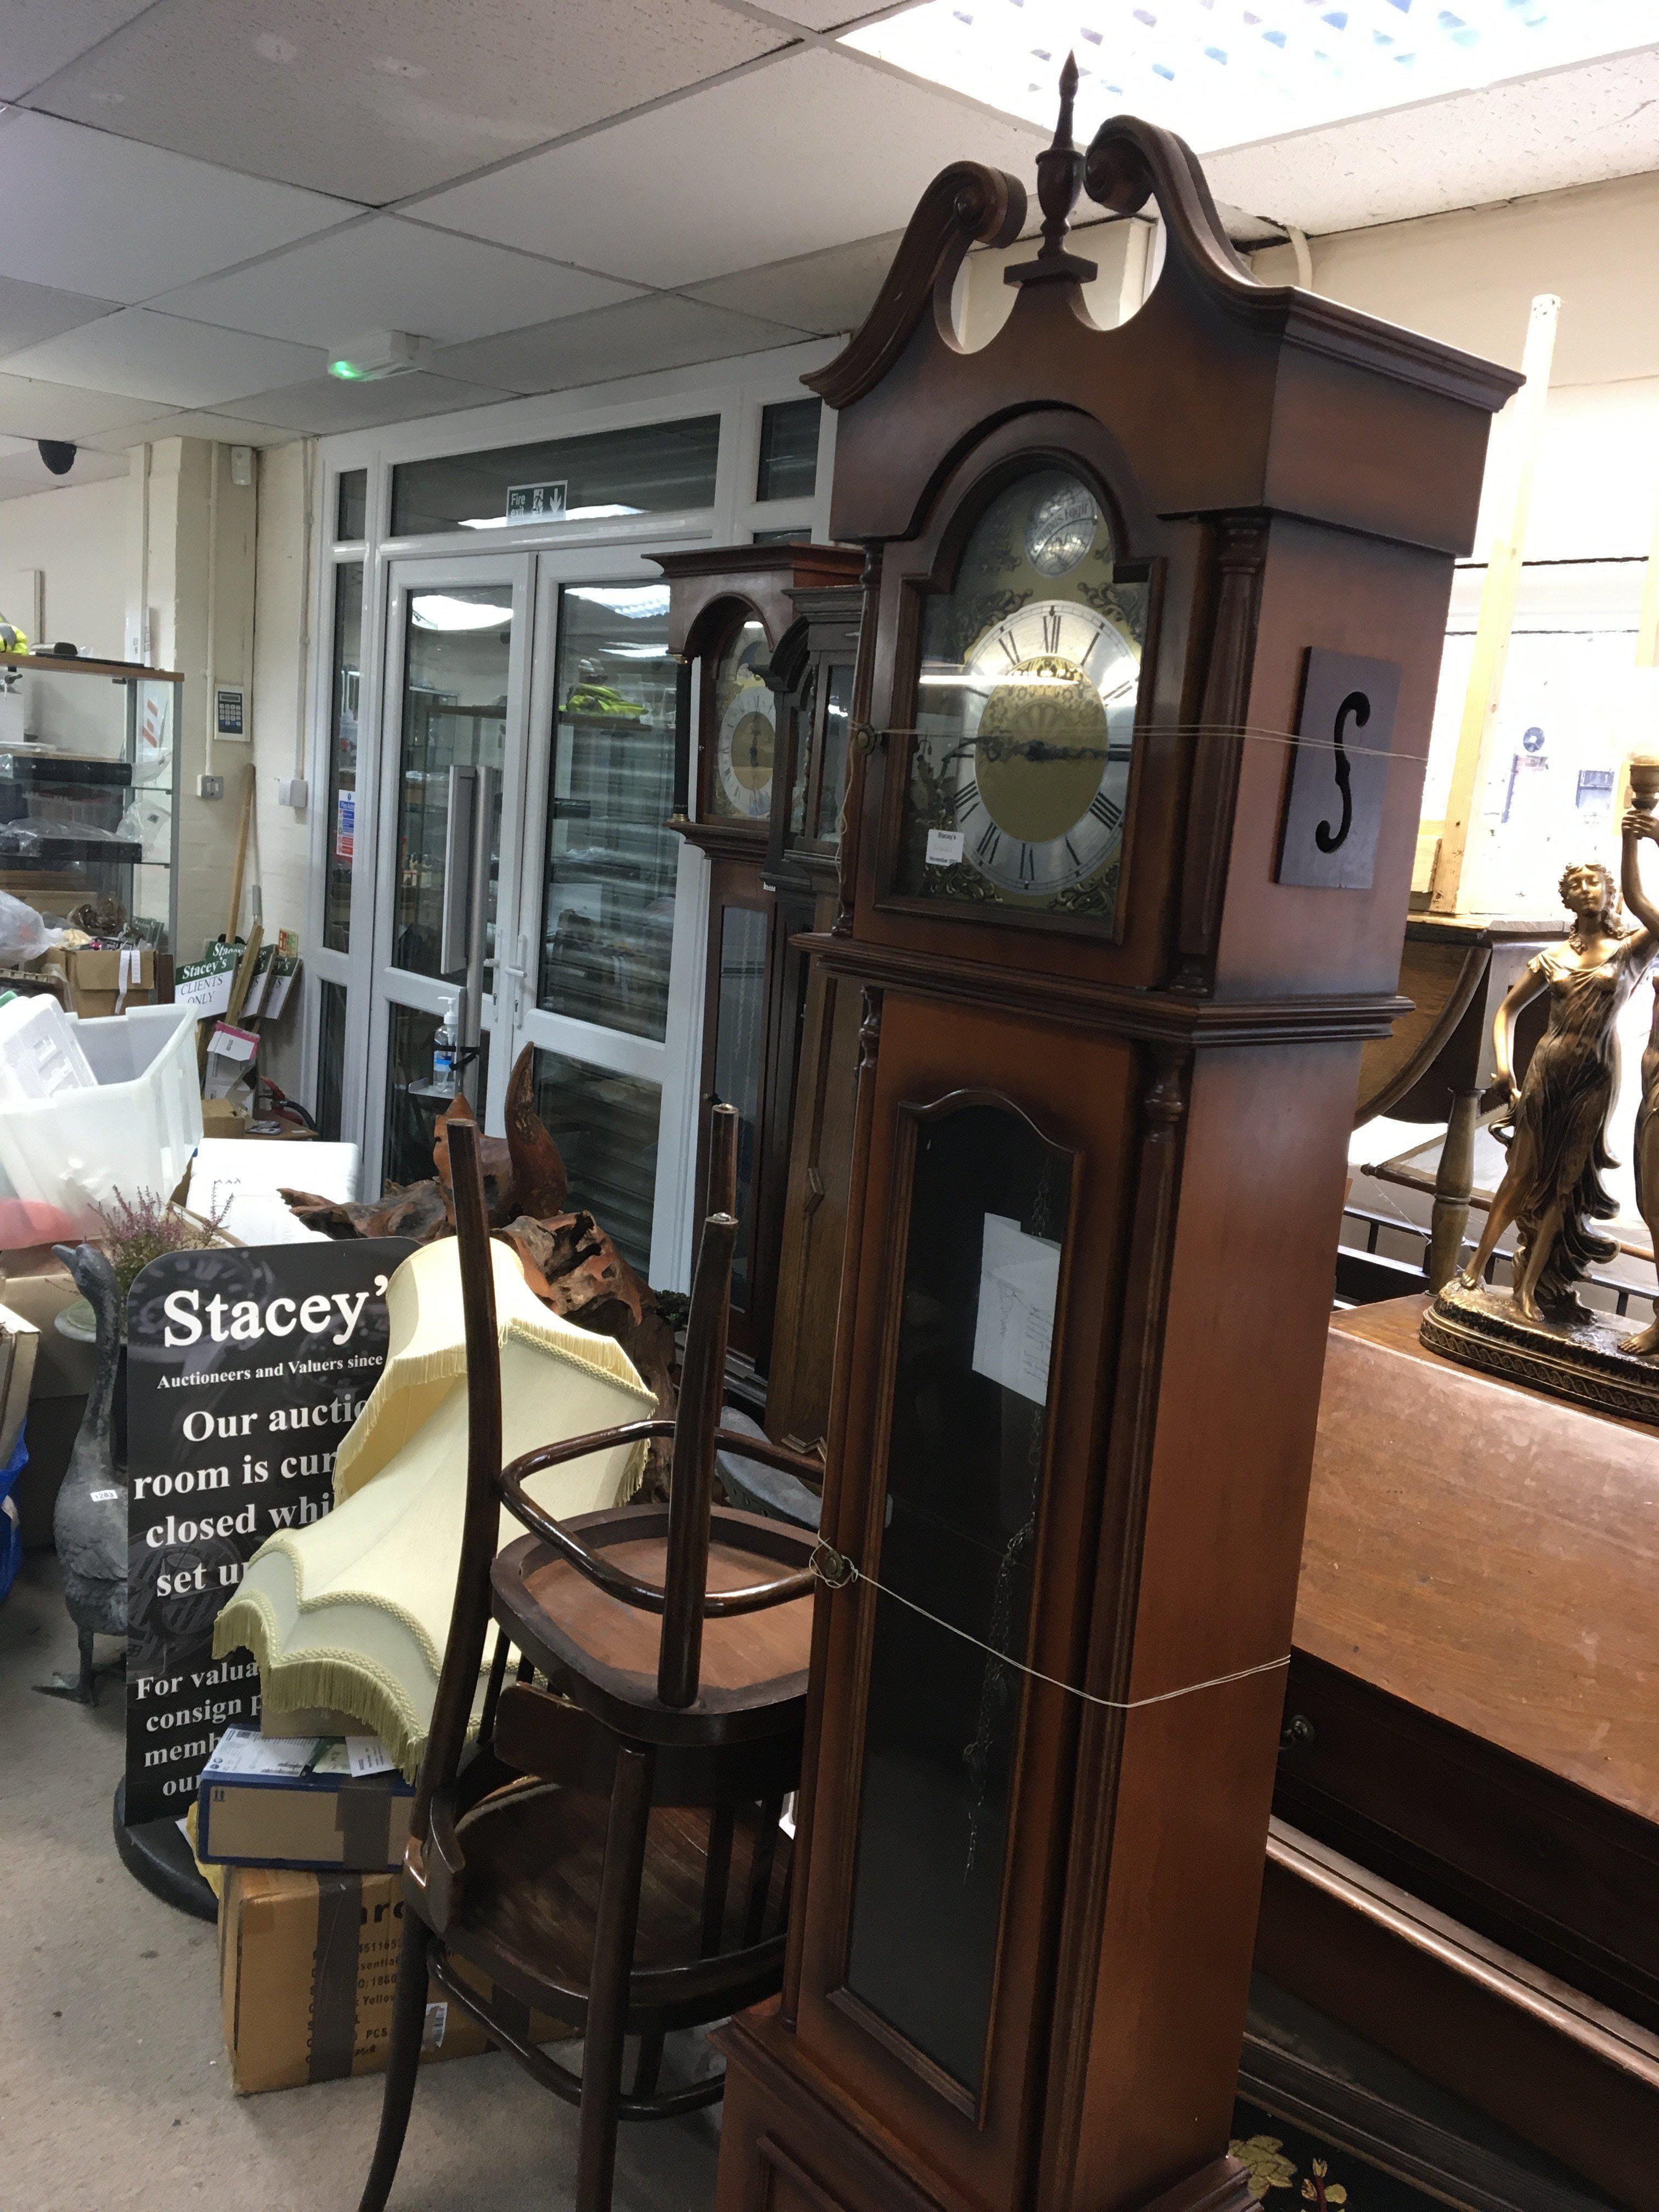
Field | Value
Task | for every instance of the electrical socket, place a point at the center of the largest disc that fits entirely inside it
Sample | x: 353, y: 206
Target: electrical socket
x: 209, y: 787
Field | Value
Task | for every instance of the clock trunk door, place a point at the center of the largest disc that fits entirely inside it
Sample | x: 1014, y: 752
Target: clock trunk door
x: 992, y: 1221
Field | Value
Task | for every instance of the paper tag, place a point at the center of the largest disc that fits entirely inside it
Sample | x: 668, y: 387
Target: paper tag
x: 245, y: 1751
x: 437, y: 2019
x: 368, y: 1755
x: 104, y: 1497
x: 943, y: 847
x: 1019, y: 1284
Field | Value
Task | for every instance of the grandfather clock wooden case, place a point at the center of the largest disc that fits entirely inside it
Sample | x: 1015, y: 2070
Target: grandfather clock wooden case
x: 1152, y: 625
x: 730, y: 608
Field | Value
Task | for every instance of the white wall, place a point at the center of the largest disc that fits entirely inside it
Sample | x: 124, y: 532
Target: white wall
x: 76, y: 536
x: 281, y: 863
x: 1469, y: 278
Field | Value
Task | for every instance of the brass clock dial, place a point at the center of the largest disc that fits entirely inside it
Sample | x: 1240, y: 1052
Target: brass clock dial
x: 1026, y: 711
x: 744, y: 738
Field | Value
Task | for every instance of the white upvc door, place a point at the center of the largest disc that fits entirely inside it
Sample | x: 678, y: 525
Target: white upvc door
x: 455, y: 698
x: 599, y: 946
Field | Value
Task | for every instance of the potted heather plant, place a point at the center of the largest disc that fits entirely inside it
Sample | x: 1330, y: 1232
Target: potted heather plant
x: 136, y: 1230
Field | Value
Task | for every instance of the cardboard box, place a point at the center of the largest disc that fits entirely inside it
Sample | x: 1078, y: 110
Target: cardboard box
x: 307, y: 1965
x: 321, y: 1821
x: 223, y: 1117
x: 93, y: 979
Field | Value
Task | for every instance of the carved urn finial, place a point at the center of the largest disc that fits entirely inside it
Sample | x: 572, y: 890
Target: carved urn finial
x: 1059, y: 167
x: 1060, y: 180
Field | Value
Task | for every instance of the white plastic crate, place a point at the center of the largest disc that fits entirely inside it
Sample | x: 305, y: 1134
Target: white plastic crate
x: 62, y: 1157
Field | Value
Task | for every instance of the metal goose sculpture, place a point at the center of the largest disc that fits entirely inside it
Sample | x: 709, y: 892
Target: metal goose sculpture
x: 89, y: 1522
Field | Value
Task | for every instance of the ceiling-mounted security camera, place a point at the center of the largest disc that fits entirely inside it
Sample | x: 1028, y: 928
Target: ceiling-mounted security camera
x: 58, y: 456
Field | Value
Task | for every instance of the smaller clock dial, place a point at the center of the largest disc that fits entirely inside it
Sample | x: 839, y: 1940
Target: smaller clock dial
x: 744, y: 744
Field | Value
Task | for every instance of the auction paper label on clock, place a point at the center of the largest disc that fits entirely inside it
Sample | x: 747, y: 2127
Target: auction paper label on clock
x: 943, y: 847
x: 1014, y: 1327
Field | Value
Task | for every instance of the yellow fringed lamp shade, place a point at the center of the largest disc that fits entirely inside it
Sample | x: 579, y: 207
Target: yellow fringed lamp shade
x: 352, y: 1613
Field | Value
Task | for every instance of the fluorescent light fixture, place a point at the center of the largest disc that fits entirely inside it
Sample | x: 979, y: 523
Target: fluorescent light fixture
x: 531, y: 521
x: 376, y: 355
x: 638, y: 602
x: 438, y: 610
x: 1228, y: 72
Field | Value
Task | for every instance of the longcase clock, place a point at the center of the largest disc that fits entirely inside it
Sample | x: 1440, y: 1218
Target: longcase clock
x: 1124, y: 589
x: 728, y: 608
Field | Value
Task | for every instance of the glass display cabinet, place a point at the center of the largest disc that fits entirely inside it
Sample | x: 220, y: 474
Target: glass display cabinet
x: 1111, y: 1019
x: 87, y: 819
x: 728, y: 610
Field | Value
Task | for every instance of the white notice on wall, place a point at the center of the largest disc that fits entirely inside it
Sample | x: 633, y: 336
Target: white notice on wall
x: 1019, y: 1284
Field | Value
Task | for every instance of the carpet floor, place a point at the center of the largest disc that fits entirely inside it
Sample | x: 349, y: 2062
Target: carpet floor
x: 113, y: 2088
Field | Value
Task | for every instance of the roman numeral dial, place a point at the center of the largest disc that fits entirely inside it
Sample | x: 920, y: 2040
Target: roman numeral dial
x: 1040, y: 788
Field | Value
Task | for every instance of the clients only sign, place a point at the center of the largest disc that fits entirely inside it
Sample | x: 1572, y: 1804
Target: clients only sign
x: 245, y: 1367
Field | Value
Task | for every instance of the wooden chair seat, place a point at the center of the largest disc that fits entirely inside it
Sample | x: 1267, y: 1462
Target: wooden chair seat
x: 604, y: 1654
x: 527, y: 1910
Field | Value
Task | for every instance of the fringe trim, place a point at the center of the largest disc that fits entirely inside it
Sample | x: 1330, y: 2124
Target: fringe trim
x: 341, y: 1679
x: 411, y: 1388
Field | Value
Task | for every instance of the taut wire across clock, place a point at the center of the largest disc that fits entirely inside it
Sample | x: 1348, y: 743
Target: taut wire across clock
x: 1116, y: 963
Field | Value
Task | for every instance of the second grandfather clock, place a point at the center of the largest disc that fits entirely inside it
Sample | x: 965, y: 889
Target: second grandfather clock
x: 1143, y: 697
x: 729, y: 608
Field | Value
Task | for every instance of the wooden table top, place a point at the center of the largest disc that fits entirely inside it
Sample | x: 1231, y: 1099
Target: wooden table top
x: 1488, y: 1554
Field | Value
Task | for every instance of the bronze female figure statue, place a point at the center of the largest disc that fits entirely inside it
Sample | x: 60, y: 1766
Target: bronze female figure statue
x: 1552, y: 1189
x: 1640, y: 823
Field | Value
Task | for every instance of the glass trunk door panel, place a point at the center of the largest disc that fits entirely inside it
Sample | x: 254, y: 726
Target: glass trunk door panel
x: 989, y: 1205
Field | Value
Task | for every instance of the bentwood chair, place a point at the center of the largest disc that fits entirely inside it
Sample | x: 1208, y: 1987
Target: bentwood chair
x: 608, y: 1851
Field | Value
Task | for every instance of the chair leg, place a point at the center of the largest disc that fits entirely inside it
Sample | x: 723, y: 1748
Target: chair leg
x: 717, y: 1877
x: 615, y: 1924
x: 648, y: 2065
x: 403, y: 2063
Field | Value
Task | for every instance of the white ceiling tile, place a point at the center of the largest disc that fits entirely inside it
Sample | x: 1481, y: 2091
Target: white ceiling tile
x: 664, y: 331
x: 29, y: 312
x: 168, y: 361
x: 387, y: 97
x: 326, y: 404
x: 387, y: 274
x: 823, y: 14
x: 40, y: 36
x: 95, y: 214
x: 757, y: 170
x: 25, y: 472
x: 1574, y: 126
x: 819, y: 292
x: 30, y: 409
x: 228, y: 429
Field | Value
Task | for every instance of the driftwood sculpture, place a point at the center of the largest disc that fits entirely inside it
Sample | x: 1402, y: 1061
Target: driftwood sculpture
x: 568, y: 1260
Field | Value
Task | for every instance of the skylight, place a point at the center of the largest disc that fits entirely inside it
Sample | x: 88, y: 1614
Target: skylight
x: 1225, y: 73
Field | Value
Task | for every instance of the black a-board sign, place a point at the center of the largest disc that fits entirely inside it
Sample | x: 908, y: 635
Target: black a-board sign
x: 245, y: 1367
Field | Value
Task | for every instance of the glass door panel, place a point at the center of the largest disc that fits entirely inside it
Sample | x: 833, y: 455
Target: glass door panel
x: 611, y: 860
x: 458, y: 653
x: 607, y: 907
x: 606, y: 1124
x: 450, y: 815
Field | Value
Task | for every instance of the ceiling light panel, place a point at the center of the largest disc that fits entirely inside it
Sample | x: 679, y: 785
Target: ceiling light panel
x: 1224, y: 73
